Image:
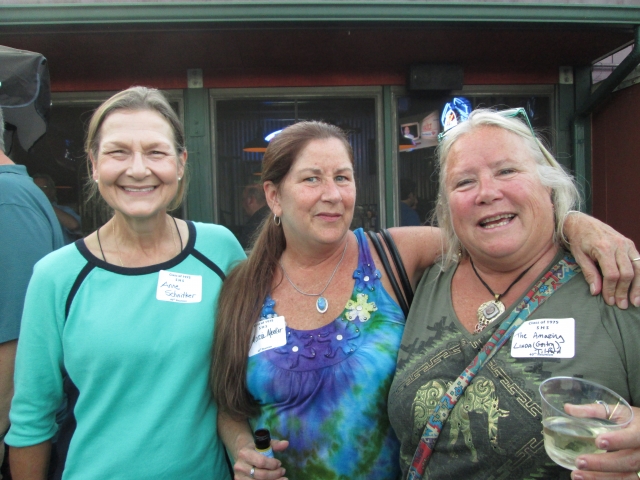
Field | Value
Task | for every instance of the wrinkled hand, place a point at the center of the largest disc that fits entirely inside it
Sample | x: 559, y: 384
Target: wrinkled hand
x: 265, y: 468
x: 593, y: 241
x: 622, y: 460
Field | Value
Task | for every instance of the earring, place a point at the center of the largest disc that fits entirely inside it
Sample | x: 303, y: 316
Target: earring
x: 179, y: 178
x: 95, y: 180
x: 276, y: 220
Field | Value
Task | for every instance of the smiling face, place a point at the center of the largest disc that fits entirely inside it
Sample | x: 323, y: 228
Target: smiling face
x: 316, y: 198
x: 500, y: 210
x: 137, y: 166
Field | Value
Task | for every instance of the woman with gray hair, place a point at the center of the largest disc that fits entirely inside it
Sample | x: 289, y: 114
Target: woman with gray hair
x: 503, y: 199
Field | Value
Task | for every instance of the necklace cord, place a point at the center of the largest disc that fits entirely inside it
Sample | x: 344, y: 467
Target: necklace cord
x: 498, y: 295
x: 100, y: 244
x: 113, y: 227
x: 328, y: 283
x: 178, y: 230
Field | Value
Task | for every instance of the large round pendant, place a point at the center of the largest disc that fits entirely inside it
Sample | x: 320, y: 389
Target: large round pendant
x: 488, y: 312
x: 322, y: 304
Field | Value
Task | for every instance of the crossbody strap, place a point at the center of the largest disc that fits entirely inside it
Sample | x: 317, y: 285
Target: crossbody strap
x: 558, y: 275
x: 375, y: 240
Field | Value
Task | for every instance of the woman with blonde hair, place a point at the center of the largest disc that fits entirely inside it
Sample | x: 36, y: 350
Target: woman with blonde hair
x: 507, y: 308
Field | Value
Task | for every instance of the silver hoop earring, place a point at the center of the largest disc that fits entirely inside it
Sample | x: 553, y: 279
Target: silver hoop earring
x: 276, y: 220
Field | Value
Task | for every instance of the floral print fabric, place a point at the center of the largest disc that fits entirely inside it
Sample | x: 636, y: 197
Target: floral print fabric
x: 326, y: 390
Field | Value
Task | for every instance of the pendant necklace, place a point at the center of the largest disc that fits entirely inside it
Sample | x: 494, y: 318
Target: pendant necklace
x: 489, y: 311
x: 322, y: 304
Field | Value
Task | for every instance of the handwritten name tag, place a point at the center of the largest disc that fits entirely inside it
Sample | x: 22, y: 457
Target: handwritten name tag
x: 268, y: 333
x: 547, y: 337
x: 179, y: 287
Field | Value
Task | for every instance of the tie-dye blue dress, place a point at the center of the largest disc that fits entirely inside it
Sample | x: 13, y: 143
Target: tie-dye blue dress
x: 326, y: 390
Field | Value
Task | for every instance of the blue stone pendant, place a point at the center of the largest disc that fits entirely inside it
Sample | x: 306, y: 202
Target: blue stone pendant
x: 322, y: 304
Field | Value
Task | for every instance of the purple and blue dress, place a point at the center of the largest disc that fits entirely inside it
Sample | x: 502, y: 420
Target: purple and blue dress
x: 326, y: 390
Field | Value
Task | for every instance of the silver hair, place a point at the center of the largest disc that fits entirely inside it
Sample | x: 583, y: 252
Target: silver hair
x: 564, y: 194
x: 1, y: 132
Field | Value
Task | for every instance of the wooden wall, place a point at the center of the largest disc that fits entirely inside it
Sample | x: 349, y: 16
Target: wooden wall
x: 616, y: 162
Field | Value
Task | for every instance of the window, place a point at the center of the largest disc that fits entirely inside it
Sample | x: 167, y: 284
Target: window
x: 417, y: 175
x: 241, y: 122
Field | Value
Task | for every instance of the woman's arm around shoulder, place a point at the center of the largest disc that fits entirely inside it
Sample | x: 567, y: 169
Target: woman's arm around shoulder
x: 419, y: 248
x: 238, y: 440
x: 593, y: 241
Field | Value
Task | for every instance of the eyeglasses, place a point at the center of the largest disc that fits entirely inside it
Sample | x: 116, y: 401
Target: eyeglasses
x: 509, y: 113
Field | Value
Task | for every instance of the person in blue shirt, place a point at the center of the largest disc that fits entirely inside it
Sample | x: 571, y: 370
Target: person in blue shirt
x: 408, y: 201
x: 28, y: 231
x: 68, y: 218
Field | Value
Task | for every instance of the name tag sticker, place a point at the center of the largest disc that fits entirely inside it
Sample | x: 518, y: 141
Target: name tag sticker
x: 268, y: 333
x: 179, y: 287
x: 546, y: 337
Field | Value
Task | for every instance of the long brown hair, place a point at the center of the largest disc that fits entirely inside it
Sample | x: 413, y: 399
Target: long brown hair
x: 247, y: 286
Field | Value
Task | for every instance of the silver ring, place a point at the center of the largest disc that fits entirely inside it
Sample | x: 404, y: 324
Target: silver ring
x: 635, y: 259
x: 606, y: 407
x: 252, y: 471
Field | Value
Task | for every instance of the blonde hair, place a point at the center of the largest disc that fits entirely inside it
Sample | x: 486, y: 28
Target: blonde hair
x: 564, y: 194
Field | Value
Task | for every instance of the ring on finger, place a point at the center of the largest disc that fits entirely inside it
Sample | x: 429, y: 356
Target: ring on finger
x: 606, y: 407
x: 252, y: 472
x: 636, y: 260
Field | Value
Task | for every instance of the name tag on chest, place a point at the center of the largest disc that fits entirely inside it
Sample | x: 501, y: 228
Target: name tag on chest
x: 546, y: 337
x: 179, y: 287
x: 268, y: 333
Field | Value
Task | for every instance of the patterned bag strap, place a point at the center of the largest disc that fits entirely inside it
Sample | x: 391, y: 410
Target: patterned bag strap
x: 557, y: 276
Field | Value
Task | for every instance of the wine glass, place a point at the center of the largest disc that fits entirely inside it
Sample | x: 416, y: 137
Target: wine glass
x: 574, y: 413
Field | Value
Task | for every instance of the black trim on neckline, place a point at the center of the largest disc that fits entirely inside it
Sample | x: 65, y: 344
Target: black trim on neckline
x: 98, y: 262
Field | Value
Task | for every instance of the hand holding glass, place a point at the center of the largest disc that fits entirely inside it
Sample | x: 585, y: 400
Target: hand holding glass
x: 574, y: 413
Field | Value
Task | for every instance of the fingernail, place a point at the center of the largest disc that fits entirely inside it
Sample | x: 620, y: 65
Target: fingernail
x: 636, y: 301
x: 577, y: 476
x: 581, y: 464
x: 603, y: 444
x: 623, y: 304
x: 592, y: 288
x: 612, y: 301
